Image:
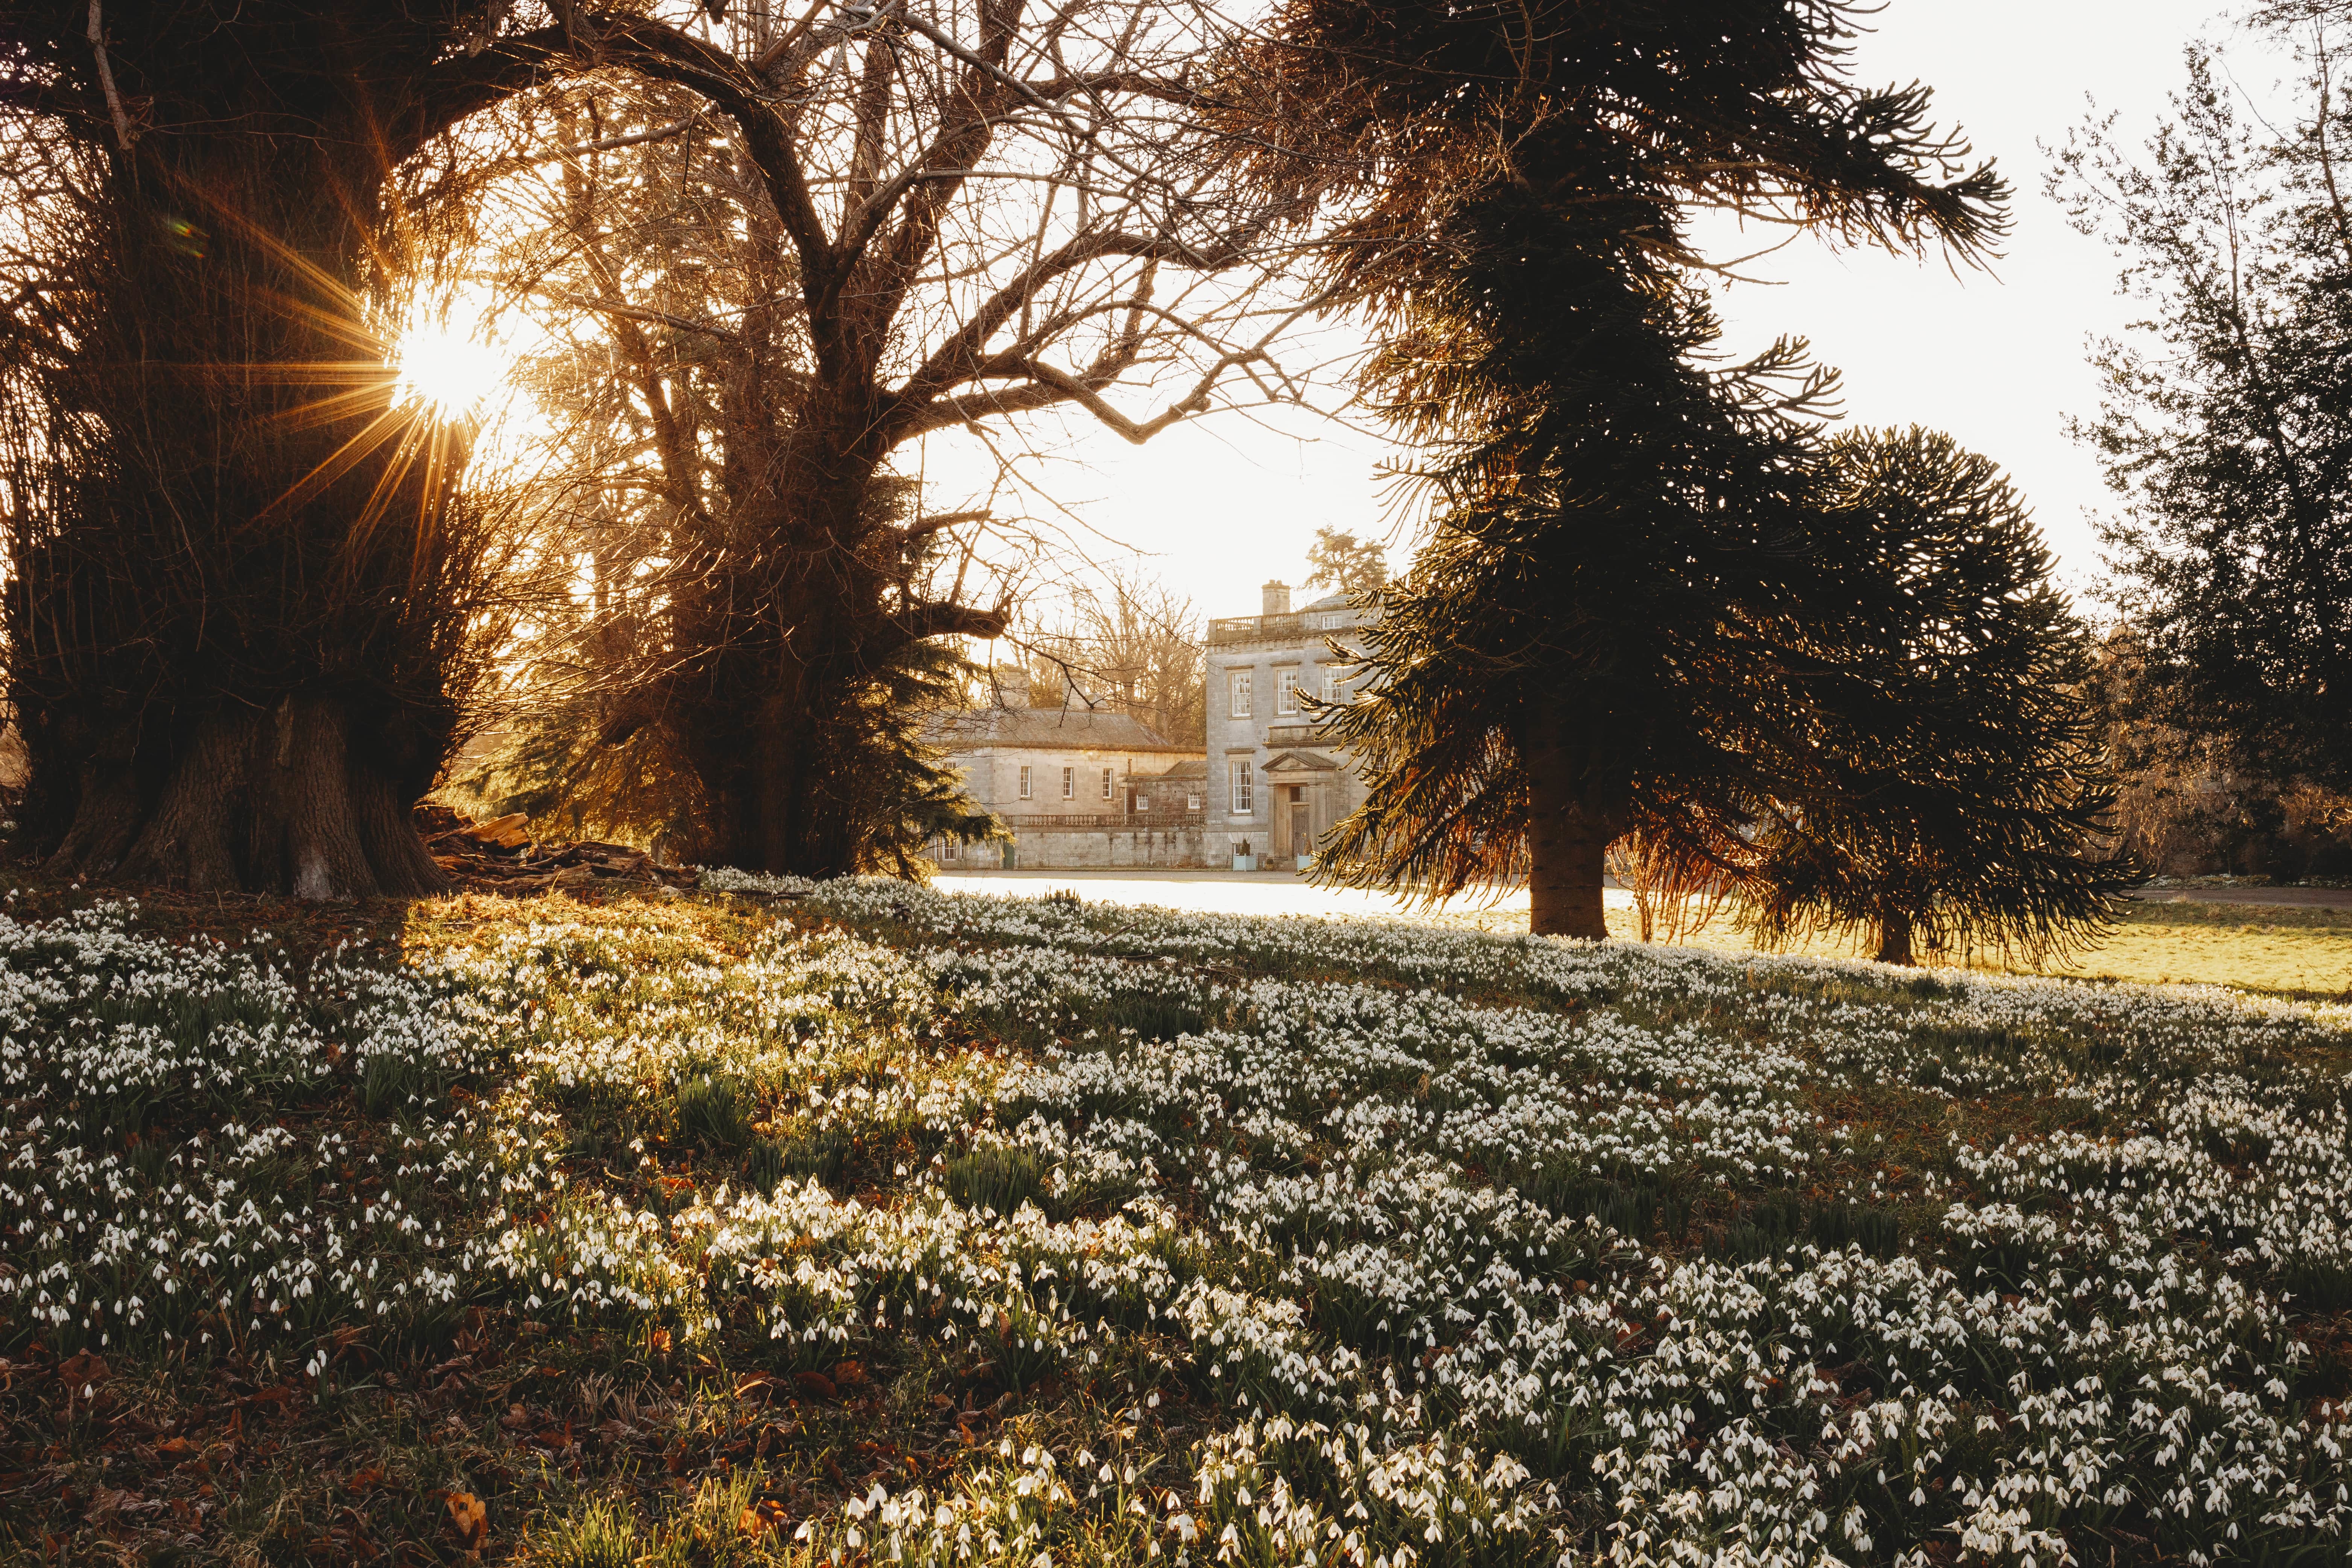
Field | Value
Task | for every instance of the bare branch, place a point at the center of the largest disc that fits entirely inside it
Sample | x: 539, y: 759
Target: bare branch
x: 106, y: 78
x: 637, y: 313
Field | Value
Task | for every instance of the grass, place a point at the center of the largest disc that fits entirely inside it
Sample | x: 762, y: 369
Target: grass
x: 635, y: 1440
x: 2304, y: 955
x: 2283, y: 951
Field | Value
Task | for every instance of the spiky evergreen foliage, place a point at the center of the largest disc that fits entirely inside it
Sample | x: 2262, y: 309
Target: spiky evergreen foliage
x: 911, y: 795
x: 893, y: 790
x: 1611, y: 639
x: 1964, y: 800
x: 556, y: 766
x: 1605, y: 632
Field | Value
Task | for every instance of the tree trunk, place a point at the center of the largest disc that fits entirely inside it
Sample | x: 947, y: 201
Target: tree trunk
x: 782, y: 797
x: 1574, y: 813
x: 1894, y: 938
x: 244, y: 590
x: 278, y: 801
x: 778, y: 716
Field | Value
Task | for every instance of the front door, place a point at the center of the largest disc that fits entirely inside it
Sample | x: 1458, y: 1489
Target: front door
x: 1302, y: 835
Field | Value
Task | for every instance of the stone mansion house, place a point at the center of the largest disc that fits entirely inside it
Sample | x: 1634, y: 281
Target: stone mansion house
x: 1277, y: 784
x: 1088, y: 788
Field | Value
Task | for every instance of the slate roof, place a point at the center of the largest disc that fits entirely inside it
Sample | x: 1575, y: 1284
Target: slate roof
x: 1049, y: 729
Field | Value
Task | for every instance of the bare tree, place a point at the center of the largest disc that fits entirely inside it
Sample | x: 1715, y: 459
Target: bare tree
x: 654, y: 266
x: 1133, y: 646
x: 947, y: 218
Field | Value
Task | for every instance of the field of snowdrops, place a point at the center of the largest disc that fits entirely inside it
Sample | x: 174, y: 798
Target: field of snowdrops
x: 859, y: 1223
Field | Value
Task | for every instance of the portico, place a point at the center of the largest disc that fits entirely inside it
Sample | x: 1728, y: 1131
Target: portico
x: 1305, y: 802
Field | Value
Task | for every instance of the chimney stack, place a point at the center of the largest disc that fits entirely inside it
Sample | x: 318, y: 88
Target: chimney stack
x: 1277, y: 599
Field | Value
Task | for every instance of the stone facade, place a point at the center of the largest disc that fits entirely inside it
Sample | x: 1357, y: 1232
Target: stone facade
x: 1074, y: 786
x: 1276, y: 782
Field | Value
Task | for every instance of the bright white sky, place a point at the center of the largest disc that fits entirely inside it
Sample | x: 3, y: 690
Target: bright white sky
x: 1997, y: 360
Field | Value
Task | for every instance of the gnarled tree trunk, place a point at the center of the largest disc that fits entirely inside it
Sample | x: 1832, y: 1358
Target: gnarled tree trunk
x: 243, y: 578
x: 280, y: 799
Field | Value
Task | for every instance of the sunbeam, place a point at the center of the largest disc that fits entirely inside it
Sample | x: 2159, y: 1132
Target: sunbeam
x: 451, y: 372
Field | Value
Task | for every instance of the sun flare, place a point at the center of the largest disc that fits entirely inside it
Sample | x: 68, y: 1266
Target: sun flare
x: 451, y: 372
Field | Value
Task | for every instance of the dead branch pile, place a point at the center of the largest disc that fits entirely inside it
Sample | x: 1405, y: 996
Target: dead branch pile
x: 500, y: 855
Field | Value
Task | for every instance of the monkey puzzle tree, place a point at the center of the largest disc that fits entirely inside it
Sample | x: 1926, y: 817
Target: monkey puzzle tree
x: 244, y: 583
x: 1605, y: 631
x: 1962, y: 797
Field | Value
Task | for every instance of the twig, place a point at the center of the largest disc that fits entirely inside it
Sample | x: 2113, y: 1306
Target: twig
x: 635, y: 314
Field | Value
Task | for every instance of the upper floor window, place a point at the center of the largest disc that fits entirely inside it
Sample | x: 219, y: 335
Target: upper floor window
x: 1069, y: 784
x: 1028, y: 783
x: 1107, y: 778
x: 1239, y: 707
x: 1286, y: 691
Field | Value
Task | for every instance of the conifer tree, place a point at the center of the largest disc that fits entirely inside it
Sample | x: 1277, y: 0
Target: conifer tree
x: 2225, y: 425
x: 1341, y: 561
x: 1611, y: 640
x: 1962, y: 799
x: 1606, y: 631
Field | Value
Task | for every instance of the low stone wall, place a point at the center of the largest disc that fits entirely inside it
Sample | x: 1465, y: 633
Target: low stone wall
x: 1104, y: 848
x: 1087, y: 842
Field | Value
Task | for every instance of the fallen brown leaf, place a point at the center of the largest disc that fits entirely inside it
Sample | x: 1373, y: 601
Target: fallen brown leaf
x: 764, y: 1516
x: 470, y: 1519
x: 82, y: 1370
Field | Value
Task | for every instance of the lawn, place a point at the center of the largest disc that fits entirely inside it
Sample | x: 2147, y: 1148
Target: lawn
x: 2290, y: 951
x: 862, y: 1223
x: 2301, y: 953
